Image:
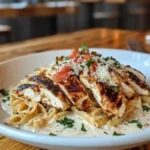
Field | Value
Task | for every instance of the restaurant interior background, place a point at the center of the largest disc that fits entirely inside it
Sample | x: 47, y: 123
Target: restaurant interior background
x: 72, y: 16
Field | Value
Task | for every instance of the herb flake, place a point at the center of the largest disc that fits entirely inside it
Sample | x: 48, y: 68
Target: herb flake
x: 117, y: 134
x: 56, y: 60
x: 145, y: 108
x: 5, y: 99
x: 83, y: 128
x: 106, y: 133
x: 139, y: 125
x: 133, y: 121
x: 89, y: 62
x: 116, y: 63
x: 66, y: 58
x: 52, y: 134
x: 84, y: 47
x: 4, y: 92
x: 71, y: 69
x: 68, y: 123
x: 115, y: 89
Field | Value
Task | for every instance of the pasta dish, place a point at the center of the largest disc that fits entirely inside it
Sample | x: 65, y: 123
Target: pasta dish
x: 85, y: 88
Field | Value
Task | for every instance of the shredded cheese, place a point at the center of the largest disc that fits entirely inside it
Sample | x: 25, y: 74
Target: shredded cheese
x: 78, y: 65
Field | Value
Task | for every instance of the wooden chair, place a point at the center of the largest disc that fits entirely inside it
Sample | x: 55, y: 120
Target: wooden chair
x: 5, y: 34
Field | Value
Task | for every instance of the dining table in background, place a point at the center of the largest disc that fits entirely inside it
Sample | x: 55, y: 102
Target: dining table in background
x: 102, y: 1
x: 96, y: 38
x: 46, y: 9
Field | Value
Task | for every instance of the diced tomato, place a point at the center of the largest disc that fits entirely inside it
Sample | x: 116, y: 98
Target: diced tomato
x: 62, y: 75
x: 94, y: 66
x: 87, y: 57
x: 74, y: 53
x: 76, y: 59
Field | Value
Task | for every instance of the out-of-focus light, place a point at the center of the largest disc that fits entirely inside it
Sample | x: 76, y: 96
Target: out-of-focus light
x: 147, y: 39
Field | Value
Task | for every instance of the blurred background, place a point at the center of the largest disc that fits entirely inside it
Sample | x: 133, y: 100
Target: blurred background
x: 26, y: 19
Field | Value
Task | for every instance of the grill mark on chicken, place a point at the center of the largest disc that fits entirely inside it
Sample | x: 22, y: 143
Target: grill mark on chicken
x: 85, y: 104
x: 22, y: 87
x: 108, y: 91
x: 127, y: 83
x: 126, y: 87
x: 75, y: 98
x: 25, y: 86
x: 76, y: 93
x: 74, y: 86
x: 136, y: 70
x: 139, y: 82
x: 49, y: 84
x: 119, y: 104
x: 53, y: 88
x: 112, y: 102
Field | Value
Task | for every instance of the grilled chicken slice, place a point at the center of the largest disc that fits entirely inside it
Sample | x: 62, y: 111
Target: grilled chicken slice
x: 127, y: 88
x: 113, y: 102
x: 29, y: 91
x: 76, y: 93
x: 51, y: 93
x: 136, y: 72
x: 139, y: 86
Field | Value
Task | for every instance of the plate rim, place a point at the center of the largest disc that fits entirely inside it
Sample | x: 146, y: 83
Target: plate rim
x: 92, y: 48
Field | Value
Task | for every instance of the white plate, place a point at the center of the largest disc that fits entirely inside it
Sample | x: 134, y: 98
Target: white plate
x: 14, y: 70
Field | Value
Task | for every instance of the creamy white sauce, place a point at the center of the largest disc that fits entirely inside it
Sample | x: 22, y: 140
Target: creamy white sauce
x: 125, y: 127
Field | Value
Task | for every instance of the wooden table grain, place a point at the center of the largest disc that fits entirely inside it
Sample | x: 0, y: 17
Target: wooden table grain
x: 98, y: 37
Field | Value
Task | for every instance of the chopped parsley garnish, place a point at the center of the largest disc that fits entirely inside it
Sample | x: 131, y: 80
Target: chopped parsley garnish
x: 68, y: 123
x: 128, y: 66
x: 4, y: 92
x: 145, y: 108
x: 66, y: 58
x: 111, y: 58
x: 89, y: 62
x: 83, y: 128
x: 7, y: 98
x: 115, y: 89
x: 52, y: 134
x: 82, y: 66
x: 116, y: 63
x: 57, y: 60
x: 106, y: 59
x: 106, y: 133
x: 139, y: 125
x: 71, y: 69
x: 84, y: 47
x: 133, y: 121
x: 117, y: 134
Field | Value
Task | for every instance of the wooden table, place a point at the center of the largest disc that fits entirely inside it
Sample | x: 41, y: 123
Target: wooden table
x: 106, y: 38
x: 36, y: 10
x: 104, y: 1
